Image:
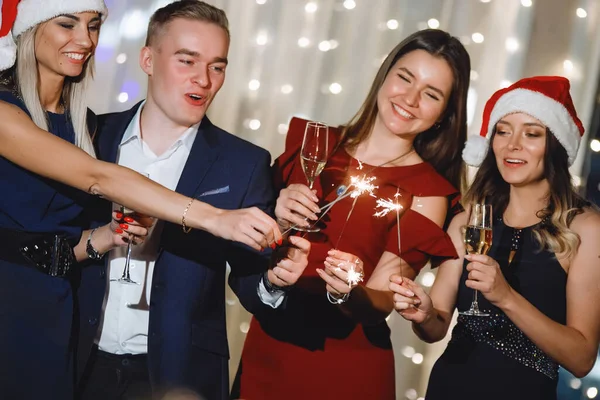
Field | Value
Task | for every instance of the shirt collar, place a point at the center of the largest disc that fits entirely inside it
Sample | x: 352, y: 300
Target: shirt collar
x: 133, y: 131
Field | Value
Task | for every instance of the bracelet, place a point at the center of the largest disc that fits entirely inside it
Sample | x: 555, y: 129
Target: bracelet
x: 185, y: 228
x: 336, y: 300
x: 91, y: 252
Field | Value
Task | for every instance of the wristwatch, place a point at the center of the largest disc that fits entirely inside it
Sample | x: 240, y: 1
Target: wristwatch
x: 92, y: 253
x: 272, y: 288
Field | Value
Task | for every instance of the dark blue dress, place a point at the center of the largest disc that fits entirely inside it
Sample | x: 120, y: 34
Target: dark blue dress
x: 37, y: 310
x: 489, y: 357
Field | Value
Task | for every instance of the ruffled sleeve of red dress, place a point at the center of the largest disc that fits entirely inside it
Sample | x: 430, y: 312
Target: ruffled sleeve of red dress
x: 288, y: 161
x: 422, y: 240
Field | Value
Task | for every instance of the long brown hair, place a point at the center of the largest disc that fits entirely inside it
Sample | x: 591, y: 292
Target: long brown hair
x: 441, y: 145
x: 563, y: 204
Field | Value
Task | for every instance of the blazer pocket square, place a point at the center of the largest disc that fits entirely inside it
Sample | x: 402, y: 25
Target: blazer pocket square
x: 224, y: 189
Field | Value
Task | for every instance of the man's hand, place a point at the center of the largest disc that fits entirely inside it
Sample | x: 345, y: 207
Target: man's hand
x: 289, y: 269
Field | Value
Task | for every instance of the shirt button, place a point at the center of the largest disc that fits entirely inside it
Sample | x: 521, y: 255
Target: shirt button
x: 124, y: 344
x: 125, y: 362
x: 102, y: 273
x: 93, y: 321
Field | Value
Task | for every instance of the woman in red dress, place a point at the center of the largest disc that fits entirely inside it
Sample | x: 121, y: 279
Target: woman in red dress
x: 332, y: 338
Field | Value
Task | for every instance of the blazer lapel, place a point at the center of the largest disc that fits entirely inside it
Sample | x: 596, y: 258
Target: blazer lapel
x: 112, y: 132
x: 203, y: 154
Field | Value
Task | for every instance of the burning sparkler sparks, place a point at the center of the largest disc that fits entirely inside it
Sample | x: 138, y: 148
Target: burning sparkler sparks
x: 388, y: 205
x: 359, y: 187
x: 362, y: 185
x: 354, y: 276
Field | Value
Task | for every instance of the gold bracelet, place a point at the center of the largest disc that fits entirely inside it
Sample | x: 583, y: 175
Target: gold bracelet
x: 185, y: 228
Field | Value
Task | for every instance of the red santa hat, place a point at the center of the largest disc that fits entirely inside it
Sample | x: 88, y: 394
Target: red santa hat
x: 17, y: 16
x: 545, y: 98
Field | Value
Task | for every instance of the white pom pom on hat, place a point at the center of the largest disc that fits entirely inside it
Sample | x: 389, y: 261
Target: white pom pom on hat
x: 545, y: 98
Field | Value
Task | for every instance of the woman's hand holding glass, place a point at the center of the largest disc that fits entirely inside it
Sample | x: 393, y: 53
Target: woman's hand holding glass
x: 118, y: 231
x: 486, y: 276
x: 410, y: 300
x: 132, y: 228
x: 296, y: 205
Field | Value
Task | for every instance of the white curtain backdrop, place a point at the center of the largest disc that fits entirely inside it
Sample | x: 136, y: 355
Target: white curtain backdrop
x: 317, y: 59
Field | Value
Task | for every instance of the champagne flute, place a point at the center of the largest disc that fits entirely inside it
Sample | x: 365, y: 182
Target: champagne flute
x: 478, y: 240
x: 313, y: 156
x: 126, y: 277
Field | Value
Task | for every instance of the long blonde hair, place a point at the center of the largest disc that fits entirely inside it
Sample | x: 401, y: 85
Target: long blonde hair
x: 73, y: 93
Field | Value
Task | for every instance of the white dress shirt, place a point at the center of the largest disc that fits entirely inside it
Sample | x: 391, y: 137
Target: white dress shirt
x: 124, y: 326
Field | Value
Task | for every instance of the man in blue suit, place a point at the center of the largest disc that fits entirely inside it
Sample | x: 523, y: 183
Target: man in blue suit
x: 168, y: 330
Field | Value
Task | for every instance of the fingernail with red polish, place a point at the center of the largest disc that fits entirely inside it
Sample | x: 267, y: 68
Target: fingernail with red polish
x: 119, y: 215
x: 119, y: 230
x: 128, y: 219
x: 280, y: 242
x: 273, y: 246
x: 124, y: 226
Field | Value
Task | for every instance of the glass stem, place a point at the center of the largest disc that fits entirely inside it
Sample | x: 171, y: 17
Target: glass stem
x: 127, y: 261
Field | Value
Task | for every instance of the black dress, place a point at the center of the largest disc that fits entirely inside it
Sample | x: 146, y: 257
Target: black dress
x: 489, y: 357
x: 37, y: 310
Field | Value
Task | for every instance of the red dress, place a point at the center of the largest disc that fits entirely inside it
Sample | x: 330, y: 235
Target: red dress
x: 310, y: 350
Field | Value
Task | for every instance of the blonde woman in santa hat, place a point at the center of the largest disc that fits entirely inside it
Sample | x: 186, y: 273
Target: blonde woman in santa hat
x: 43, y: 226
x: 28, y: 145
x: 539, y: 282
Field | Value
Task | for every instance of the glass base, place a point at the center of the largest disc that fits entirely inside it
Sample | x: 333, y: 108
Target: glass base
x: 307, y: 229
x: 125, y: 281
x: 474, y: 312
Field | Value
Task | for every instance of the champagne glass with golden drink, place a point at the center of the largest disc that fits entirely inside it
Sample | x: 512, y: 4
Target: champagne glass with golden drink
x: 313, y: 157
x: 478, y: 240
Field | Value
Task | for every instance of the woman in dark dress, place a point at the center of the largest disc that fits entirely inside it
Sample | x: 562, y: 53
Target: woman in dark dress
x: 44, y: 228
x: 44, y: 224
x: 407, y: 135
x: 540, y: 279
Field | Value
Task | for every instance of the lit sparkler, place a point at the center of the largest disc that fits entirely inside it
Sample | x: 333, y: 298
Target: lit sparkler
x: 359, y: 187
x: 387, y: 206
x: 362, y: 185
x: 354, y: 277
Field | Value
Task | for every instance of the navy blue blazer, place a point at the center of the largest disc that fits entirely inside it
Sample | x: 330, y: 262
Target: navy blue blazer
x: 187, y: 337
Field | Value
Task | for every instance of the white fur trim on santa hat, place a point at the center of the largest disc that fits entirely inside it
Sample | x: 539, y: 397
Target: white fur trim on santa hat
x: 8, y: 52
x: 32, y: 12
x: 475, y: 150
x: 549, y: 111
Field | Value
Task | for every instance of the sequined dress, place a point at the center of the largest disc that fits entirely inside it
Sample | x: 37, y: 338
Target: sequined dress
x: 489, y: 357
x: 310, y: 349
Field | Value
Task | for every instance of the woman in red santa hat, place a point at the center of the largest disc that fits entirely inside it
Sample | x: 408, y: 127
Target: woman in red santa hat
x: 539, y: 280
x: 43, y: 228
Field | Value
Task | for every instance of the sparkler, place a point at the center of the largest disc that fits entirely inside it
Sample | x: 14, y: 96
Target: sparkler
x: 360, y: 186
x: 387, y: 206
x: 353, y: 277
